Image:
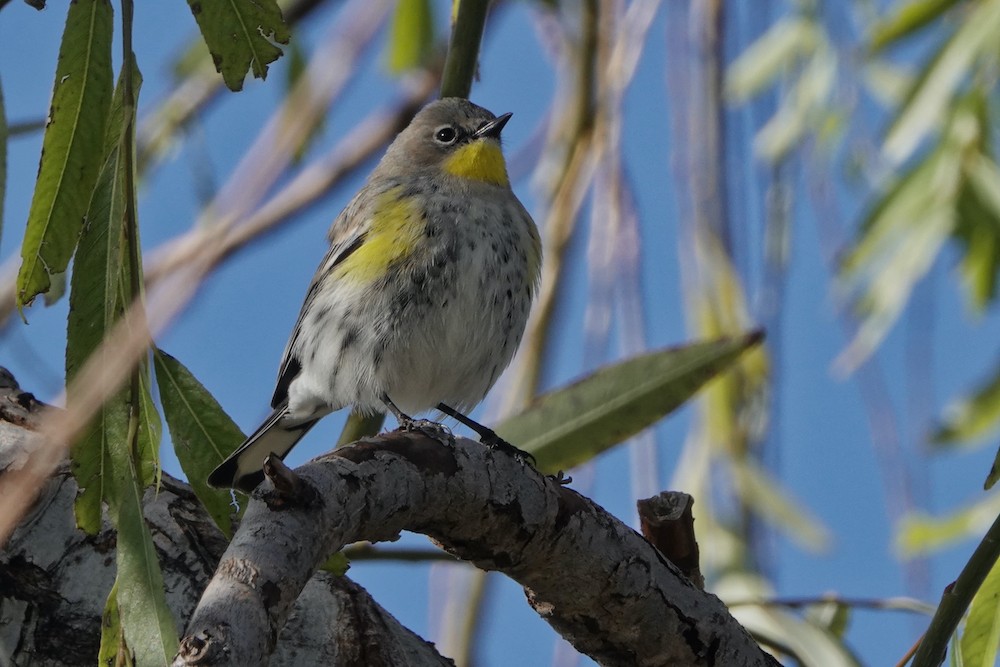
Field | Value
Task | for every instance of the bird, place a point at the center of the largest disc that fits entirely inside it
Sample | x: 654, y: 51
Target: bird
x: 423, y: 297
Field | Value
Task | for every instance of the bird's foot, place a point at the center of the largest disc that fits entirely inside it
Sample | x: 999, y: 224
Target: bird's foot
x: 496, y: 443
x: 561, y: 478
x: 432, y: 429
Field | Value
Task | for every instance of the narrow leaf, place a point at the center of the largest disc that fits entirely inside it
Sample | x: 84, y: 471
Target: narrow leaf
x: 802, y: 109
x: 571, y: 425
x: 770, y: 501
x: 773, y: 54
x: 982, y: 626
x: 920, y: 533
x: 972, y: 417
x: 907, y: 19
x: 150, y: 630
x: 241, y: 36
x: 97, y: 301
x: 202, y: 432
x: 411, y: 35
x: 71, y: 148
x: 113, y: 650
x: 933, y: 91
x: 808, y: 644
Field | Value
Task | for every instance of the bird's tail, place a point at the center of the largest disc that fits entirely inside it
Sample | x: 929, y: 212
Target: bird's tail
x: 243, y: 469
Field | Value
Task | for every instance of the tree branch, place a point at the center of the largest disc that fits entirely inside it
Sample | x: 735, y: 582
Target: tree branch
x: 596, y: 581
x: 54, y: 578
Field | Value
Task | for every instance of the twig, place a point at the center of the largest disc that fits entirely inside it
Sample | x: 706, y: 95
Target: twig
x: 463, y: 49
x: 956, y: 599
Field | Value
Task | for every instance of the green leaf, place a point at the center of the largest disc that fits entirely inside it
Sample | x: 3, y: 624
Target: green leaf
x: 411, y: 35
x: 802, y: 109
x: 71, y: 148
x: 337, y: 564
x: 113, y: 649
x: 933, y: 92
x: 972, y: 417
x: 994, y: 474
x: 202, y: 432
x: 979, y: 229
x: 920, y: 533
x: 571, y: 425
x: 98, y: 289
x: 769, y: 500
x: 773, y: 54
x: 982, y: 626
x: 810, y: 645
x: 900, y: 238
x: 241, y: 36
x: 907, y: 19
x: 149, y: 626
x: 150, y: 431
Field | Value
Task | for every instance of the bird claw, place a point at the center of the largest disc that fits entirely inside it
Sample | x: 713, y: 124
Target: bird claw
x: 561, y: 478
x: 496, y: 443
x: 431, y: 429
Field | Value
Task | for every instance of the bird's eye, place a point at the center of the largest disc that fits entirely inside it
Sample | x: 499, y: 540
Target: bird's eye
x: 445, y: 135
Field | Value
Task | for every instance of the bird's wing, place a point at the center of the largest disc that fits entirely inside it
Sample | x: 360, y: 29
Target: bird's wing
x: 346, y: 235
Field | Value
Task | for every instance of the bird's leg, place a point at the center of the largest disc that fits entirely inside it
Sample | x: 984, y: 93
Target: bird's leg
x: 487, y: 436
x: 407, y: 423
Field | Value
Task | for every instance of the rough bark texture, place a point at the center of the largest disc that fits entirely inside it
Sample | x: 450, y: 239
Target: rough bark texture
x: 54, y: 578
x: 596, y: 581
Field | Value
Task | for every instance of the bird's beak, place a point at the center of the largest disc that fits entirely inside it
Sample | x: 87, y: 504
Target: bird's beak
x: 492, y: 128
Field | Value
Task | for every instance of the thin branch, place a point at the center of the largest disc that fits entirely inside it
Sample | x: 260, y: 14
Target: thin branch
x: 463, y: 50
x: 956, y: 599
x: 364, y: 551
x: 911, y: 605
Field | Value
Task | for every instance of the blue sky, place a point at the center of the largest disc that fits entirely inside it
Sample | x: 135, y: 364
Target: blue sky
x: 234, y: 332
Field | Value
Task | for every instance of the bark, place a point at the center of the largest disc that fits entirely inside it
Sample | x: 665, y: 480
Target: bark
x: 596, y: 581
x: 54, y: 578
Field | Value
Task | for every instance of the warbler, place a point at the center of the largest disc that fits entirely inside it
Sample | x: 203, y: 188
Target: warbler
x: 422, y: 299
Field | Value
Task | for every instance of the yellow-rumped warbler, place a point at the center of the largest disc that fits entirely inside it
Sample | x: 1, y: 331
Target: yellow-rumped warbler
x: 422, y: 299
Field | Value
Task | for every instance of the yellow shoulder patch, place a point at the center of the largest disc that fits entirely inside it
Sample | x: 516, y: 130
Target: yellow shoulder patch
x: 396, y: 228
x: 479, y: 160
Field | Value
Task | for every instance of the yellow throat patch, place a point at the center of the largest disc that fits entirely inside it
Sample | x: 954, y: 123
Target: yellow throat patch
x: 479, y: 160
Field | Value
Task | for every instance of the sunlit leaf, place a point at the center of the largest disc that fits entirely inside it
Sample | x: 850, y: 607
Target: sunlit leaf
x: 571, y: 425
x: 770, y: 502
x: 777, y: 50
x: 411, y: 35
x: 810, y: 645
x: 933, y: 92
x: 801, y: 109
x: 981, y: 637
x: 920, y: 533
x: 337, y: 564
x: 973, y: 417
x: 241, y: 36
x: 906, y: 18
x: 71, y: 148
x: 900, y: 239
x: 831, y: 615
x: 887, y: 82
x: 203, y: 434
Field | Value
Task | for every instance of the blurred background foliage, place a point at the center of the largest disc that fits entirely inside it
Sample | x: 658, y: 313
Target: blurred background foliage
x: 881, y: 117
